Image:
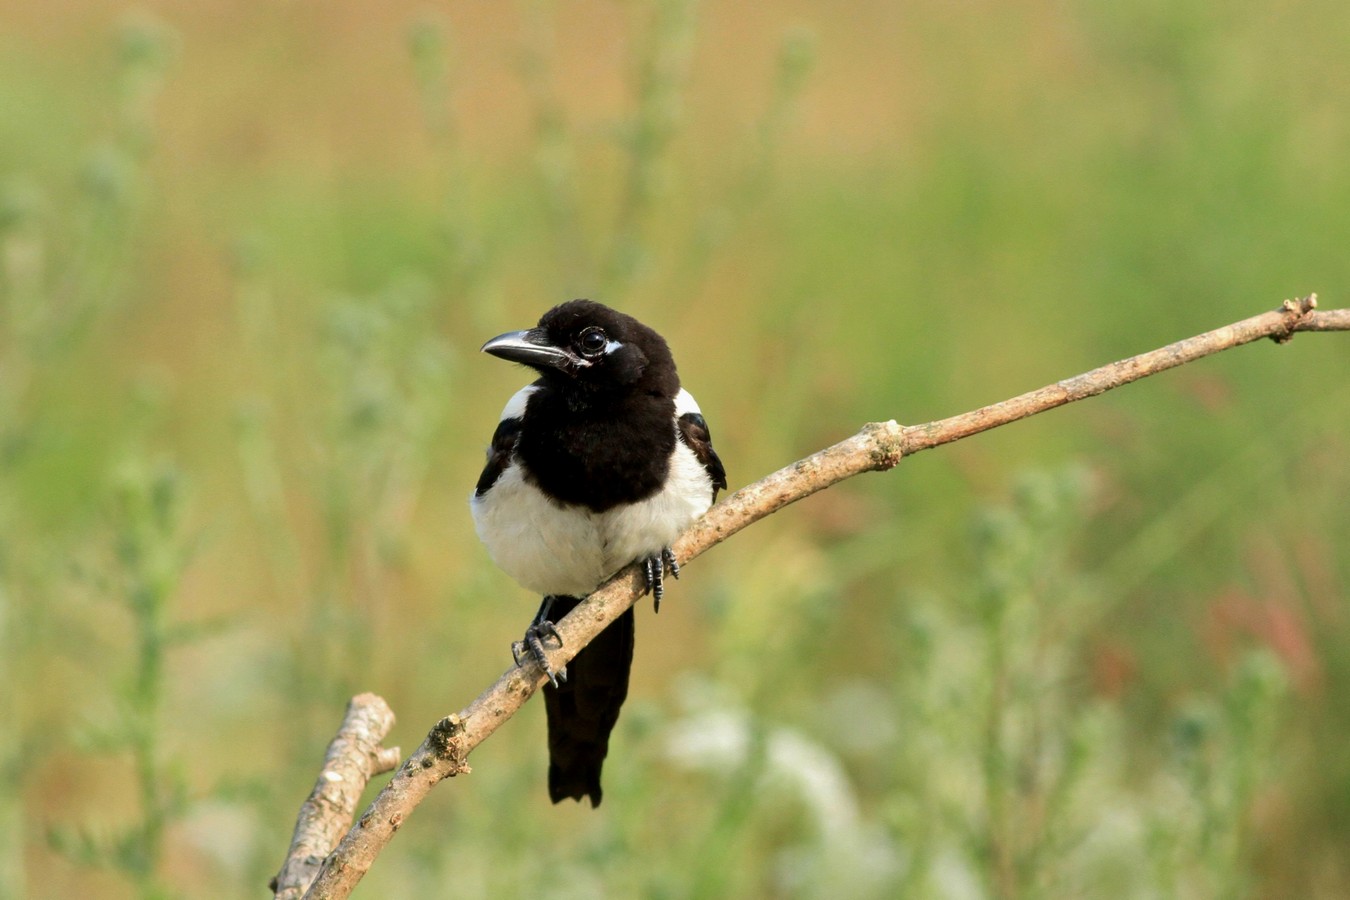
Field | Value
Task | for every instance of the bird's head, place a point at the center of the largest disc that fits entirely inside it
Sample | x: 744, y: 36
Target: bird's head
x: 586, y: 345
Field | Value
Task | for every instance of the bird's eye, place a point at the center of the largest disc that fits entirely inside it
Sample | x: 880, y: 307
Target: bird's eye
x: 592, y: 341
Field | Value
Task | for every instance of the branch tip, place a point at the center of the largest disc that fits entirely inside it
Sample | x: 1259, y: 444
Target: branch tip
x: 353, y: 757
x: 386, y: 760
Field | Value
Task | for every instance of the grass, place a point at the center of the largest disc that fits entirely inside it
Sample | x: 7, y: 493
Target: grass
x: 243, y: 278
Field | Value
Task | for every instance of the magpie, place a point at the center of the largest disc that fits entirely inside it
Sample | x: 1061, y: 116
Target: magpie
x: 602, y: 461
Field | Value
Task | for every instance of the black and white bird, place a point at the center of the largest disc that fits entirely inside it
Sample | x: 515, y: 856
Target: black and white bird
x: 602, y: 461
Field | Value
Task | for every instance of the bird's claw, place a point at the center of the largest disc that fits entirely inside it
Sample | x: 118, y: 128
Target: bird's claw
x: 654, y: 569
x: 533, y: 644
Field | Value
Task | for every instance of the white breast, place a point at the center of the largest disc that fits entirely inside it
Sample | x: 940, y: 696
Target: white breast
x: 547, y: 548
x: 641, y: 529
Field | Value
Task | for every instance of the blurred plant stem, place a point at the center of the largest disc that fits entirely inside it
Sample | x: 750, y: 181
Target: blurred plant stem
x: 1221, y: 757
x: 62, y: 270
x: 646, y: 137
x: 554, y: 151
x: 52, y: 291
x: 1031, y: 618
x: 148, y: 557
x: 721, y: 842
x: 12, y: 813
x: 759, y: 170
x: 116, y: 185
x: 464, y: 275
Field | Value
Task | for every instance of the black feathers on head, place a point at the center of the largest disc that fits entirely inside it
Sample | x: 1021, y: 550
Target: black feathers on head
x: 615, y: 350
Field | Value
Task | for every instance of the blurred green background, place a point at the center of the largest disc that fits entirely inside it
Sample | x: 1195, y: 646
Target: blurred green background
x: 248, y: 252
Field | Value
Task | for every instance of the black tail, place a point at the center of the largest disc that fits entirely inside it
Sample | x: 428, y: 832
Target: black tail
x: 583, y: 709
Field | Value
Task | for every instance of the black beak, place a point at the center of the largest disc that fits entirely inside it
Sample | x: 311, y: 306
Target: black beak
x: 532, y: 348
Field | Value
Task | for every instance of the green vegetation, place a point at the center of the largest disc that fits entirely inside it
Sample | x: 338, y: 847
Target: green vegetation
x: 247, y: 257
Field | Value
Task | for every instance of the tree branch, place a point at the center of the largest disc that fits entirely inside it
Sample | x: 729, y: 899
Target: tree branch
x: 879, y: 446
x: 354, y: 757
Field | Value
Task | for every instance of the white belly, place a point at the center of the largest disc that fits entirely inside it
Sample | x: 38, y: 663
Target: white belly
x: 553, y: 549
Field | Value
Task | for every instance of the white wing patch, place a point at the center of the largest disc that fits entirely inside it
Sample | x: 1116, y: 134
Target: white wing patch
x: 515, y: 407
x: 685, y: 403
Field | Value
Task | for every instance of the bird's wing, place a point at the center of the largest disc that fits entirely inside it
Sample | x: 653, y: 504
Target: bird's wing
x: 693, y: 430
x: 504, y: 440
x: 498, y: 454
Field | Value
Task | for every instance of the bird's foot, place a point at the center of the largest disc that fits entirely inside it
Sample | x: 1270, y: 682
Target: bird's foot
x: 654, y: 569
x: 540, y: 630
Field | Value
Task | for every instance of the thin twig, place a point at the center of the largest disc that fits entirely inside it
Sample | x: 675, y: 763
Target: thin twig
x: 879, y: 446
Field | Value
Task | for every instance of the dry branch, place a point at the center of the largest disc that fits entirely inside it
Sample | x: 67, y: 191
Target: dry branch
x: 877, y: 447
x: 354, y: 757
